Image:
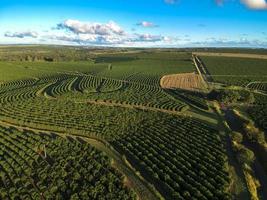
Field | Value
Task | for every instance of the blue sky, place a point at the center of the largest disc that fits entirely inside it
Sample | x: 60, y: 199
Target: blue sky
x: 149, y: 23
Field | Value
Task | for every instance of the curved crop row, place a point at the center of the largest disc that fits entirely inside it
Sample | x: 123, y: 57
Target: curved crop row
x: 12, y: 85
x: 260, y: 86
x: 147, y: 79
x: 21, y: 94
x: 141, y: 95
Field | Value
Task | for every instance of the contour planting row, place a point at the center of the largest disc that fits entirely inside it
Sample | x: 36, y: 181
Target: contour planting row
x: 183, y: 158
x: 49, y: 167
x: 258, y: 86
x: 21, y: 94
x: 194, y: 98
x: 83, y: 83
x: 12, y: 85
x: 67, y: 116
x: 136, y: 94
x: 58, y: 85
x: 145, y: 79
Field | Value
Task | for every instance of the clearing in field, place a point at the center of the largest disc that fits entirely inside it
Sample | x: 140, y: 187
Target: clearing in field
x: 187, y: 81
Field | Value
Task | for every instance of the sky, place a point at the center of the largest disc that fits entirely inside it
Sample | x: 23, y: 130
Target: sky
x: 135, y: 23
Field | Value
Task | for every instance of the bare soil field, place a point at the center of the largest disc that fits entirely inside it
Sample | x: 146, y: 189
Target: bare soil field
x: 235, y: 55
x: 186, y: 81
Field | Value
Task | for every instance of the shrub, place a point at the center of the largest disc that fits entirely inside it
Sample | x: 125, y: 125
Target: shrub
x: 245, y: 156
x: 237, y: 137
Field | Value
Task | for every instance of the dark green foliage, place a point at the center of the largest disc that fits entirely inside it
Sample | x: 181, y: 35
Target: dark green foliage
x: 258, y: 112
x: 232, y: 96
x: 236, y: 71
x: 193, y: 98
x: 237, y: 137
x: 69, y: 170
x: 115, y: 58
x: 245, y: 156
x: 182, y: 157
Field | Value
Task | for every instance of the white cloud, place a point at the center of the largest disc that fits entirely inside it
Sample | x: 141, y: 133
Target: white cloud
x: 146, y: 24
x: 31, y: 34
x: 109, y: 40
x: 252, y: 4
x: 255, y: 4
x: 80, y: 27
x: 148, y: 38
x: 225, y: 42
x: 88, y: 33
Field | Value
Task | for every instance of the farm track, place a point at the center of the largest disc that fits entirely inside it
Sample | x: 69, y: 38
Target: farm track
x: 201, y: 71
x: 139, y: 185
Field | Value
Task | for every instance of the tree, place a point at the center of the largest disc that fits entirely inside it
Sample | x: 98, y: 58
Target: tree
x: 245, y: 156
x: 237, y: 137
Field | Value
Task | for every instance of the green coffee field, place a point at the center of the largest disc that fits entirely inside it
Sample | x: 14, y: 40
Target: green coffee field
x: 80, y: 123
x: 237, y: 71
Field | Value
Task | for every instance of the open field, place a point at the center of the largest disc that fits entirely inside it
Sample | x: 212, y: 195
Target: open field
x: 131, y: 124
x: 187, y: 81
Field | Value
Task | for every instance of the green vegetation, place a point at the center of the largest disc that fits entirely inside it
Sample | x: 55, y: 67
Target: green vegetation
x: 259, y: 111
x: 165, y: 139
x: 232, y: 96
x: 259, y: 86
x: 180, y: 165
x: 236, y: 71
x: 47, y: 166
